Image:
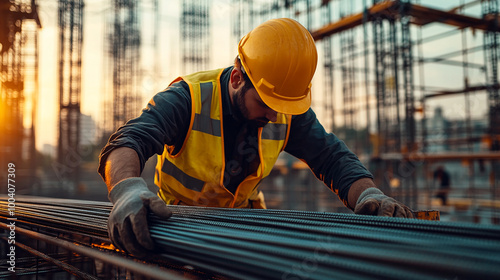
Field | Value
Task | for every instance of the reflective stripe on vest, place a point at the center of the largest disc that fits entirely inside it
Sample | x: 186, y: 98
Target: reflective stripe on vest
x: 202, y: 121
x: 195, y: 174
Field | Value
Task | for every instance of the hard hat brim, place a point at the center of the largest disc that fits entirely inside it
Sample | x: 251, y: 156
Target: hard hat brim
x: 288, y: 107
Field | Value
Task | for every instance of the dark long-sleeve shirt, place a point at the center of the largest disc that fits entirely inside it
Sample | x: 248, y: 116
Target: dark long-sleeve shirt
x: 166, y: 120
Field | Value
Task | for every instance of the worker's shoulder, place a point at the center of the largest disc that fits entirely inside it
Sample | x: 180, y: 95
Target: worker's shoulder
x: 178, y: 87
x: 177, y: 90
x: 175, y: 99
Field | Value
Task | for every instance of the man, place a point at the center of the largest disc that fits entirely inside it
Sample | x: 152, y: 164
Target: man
x: 443, y: 177
x: 220, y: 132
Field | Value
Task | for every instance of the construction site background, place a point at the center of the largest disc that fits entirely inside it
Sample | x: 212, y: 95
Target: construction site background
x: 409, y: 86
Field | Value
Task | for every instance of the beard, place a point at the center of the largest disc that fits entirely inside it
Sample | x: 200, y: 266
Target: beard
x: 241, y: 110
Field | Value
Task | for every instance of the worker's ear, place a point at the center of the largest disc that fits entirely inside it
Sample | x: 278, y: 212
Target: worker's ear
x: 236, y: 79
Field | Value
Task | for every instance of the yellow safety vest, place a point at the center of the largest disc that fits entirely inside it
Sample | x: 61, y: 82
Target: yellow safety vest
x: 194, y: 176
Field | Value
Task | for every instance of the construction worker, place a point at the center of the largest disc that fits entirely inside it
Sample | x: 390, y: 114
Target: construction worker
x: 442, y: 176
x: 219, y: 133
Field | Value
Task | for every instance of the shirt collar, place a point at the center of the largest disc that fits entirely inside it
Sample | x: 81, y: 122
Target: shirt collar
x: 227, y: 107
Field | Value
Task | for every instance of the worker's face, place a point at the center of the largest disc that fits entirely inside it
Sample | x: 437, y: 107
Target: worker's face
x: 252, y: 108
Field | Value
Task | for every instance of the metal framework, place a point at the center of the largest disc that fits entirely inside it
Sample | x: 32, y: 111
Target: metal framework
x: 195, y: 35
x: 491, y: 52
x: 19, y: 25
x: 392, y: 99
x: 347, y: 62
x: 328, y: 77
x: 70, y: 14
x: 31, y: 86
x: 409, y: 98
x: 242, y: 17
x: 12, y: 83
x: 125, y: 43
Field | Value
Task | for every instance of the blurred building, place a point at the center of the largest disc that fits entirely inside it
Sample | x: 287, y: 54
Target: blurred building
x: 88, y: 130
x: 49, y: 150
x: 453, y: 135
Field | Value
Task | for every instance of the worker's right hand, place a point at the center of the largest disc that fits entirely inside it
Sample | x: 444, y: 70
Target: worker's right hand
x: 127, y: 223
x: 373, y: 201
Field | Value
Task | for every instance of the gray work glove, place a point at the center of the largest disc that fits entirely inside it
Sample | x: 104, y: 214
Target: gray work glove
x: 127, y: 223
x: 373, y: 201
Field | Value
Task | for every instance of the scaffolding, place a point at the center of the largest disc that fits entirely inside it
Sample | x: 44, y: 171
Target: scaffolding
x: 491, y: 52
x: 18, y: 84
x: 396, y: 98
x: 374, y: 82
x: 70, y: 14
x: 195, y: 35
x: 241, y: 18
x: 124, y: 49
x: 328, y: 69
x: 375, y: 87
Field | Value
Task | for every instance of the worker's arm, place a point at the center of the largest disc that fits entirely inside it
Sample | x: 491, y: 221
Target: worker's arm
x: 132, y: 200
x: 328, y: 157
x: 163, y: 122
x: 339, y: 168
x: 357, y: 188
x: 121, y: 163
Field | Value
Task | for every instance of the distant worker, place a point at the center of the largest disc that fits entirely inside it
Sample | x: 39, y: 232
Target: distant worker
x: 442, y: 176
x: 218, y: 133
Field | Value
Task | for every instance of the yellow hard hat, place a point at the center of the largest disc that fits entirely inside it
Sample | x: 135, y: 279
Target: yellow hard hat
x: 280, y: 59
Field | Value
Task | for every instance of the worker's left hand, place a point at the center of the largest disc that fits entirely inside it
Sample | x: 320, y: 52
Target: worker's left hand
x: 373, y: 201
x: 127, y: 223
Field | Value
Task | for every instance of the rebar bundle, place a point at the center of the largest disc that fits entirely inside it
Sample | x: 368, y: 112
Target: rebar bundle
x: 280, y: 244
